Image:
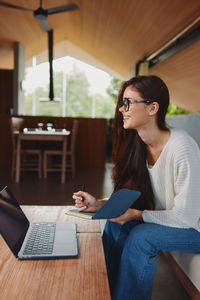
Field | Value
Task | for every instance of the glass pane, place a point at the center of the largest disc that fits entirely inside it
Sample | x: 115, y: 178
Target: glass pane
x: 80, y: 90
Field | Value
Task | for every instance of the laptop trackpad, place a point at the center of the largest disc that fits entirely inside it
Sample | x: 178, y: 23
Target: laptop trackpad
x: 65, y: 239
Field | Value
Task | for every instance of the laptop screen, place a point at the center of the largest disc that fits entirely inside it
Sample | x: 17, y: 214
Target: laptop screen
x: 13, y: 222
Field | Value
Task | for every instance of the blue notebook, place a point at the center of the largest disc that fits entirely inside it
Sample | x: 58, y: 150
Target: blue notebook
x: 116, y: 205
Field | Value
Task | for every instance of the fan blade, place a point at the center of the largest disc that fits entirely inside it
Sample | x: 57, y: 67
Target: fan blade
x: 50, y: 43
x: 15, y: 6
x: 59, y: 9
x: 45, y: 25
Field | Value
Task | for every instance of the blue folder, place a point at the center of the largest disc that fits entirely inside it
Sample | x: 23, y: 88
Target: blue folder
x: 116, y: 205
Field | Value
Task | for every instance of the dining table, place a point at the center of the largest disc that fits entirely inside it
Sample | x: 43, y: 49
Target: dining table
x: 53, y: 135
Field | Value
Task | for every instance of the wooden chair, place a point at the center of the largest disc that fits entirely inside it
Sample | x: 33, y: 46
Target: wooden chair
x: 50, y: 166
x: 26, y: 164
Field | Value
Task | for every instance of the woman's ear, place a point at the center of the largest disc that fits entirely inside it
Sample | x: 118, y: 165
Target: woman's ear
x: 153, y: 108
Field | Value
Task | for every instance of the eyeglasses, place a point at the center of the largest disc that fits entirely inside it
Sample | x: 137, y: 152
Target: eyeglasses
x: 125, y: 102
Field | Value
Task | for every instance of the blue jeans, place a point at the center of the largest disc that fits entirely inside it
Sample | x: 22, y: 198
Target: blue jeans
x: 131, y: 252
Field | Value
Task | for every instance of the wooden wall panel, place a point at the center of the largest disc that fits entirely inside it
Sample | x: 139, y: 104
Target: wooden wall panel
x: 6, y: 90
x: 6, y: 103
x: 5, y: 138
x: 181, y: 73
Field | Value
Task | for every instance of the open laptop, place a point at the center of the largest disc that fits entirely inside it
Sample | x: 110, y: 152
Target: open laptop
x: 34, y: 240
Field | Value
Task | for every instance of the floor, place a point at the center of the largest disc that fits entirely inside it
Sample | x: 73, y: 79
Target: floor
x: 32, y: 191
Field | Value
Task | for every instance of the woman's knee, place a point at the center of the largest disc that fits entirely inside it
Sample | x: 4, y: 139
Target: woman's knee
x: 143, y: 238
x: 116, y: 234
x: 111, y: 230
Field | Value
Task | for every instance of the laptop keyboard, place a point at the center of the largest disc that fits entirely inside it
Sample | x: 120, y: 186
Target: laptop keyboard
x: 41, y: 239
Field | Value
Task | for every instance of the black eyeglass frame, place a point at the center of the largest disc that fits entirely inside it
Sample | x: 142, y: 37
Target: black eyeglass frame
x: 127, y: 106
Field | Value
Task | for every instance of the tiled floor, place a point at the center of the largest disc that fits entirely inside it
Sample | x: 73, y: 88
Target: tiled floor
x: 98, y: 182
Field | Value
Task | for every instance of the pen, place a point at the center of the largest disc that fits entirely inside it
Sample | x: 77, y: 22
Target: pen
x: 83, y: 189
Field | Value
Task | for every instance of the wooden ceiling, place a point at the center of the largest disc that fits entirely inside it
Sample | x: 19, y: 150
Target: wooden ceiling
x: 115, y: 33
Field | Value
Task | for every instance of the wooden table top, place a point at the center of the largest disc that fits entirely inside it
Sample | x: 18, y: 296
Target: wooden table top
x: 58, y: 213
x: 42, y: 135
x: 42, y: 132
x: 84, y: 277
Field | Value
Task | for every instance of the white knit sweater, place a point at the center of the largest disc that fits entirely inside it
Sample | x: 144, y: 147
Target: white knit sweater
x: 175, y: 179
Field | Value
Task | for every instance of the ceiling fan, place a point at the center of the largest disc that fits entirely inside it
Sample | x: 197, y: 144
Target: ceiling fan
x: 41, y: 14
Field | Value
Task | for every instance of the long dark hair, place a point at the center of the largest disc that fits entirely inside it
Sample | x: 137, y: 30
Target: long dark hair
x: 129, y: 151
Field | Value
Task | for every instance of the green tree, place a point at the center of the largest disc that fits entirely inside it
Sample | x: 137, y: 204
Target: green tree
x: 104, y: 107
x: 175, y: 110
x: 28, y: 104
x: 78, y: 101
x: 42, y: 105
x: 113, y: 88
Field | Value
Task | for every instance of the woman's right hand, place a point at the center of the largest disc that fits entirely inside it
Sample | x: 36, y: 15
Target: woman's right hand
x: 85, y: 202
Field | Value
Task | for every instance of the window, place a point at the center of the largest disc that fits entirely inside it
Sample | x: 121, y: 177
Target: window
x: 80, y: 90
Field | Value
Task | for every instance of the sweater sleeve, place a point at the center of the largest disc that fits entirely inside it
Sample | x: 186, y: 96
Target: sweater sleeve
x: 185, y: 212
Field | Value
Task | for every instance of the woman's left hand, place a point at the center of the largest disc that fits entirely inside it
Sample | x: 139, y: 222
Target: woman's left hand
x: 129, y: 215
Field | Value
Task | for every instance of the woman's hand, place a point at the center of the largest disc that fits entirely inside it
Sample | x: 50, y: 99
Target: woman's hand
x: 85, y: 201
x: 129, y: 215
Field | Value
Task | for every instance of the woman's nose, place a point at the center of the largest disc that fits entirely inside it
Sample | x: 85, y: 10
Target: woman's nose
x: 121, y: 108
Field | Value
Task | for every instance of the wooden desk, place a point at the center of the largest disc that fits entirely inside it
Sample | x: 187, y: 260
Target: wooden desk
x: 81, y: 278
x: 42, y: 135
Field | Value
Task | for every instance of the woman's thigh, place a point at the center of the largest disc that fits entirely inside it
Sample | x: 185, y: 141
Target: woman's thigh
x: 157, y: 237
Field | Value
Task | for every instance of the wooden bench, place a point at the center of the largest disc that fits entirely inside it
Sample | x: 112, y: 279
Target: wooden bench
x: 186, y: 265
x: 191, y: 289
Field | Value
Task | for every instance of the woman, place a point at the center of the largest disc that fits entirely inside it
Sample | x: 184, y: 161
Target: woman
x: 164, y: 164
